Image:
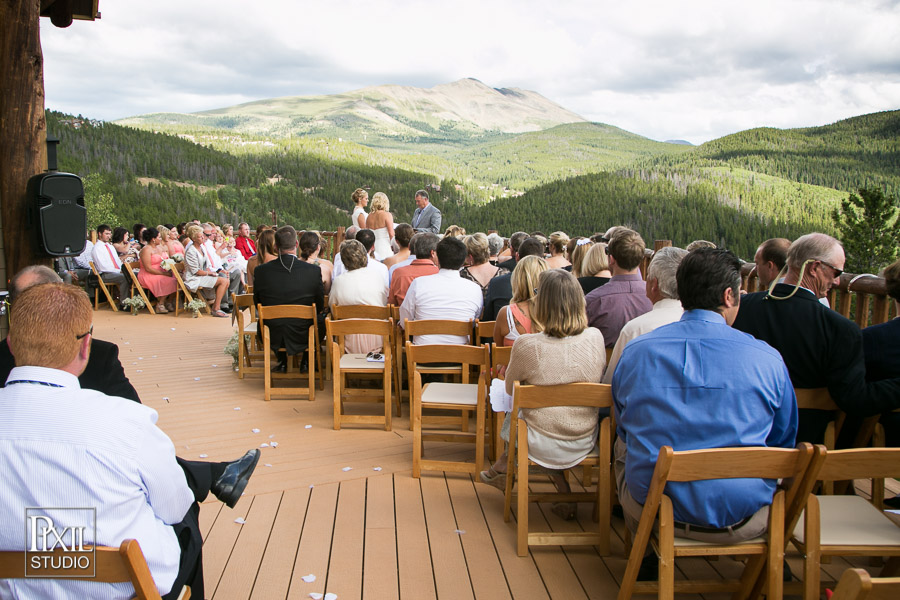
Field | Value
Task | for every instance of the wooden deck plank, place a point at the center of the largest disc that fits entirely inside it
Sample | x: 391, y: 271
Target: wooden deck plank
x: 275, y: 571
x: 315, y: 542
x: 219, y: 544
x: 347, y: 543
x: 243, y: 565
x: 558, y: 575
x: 414, y: 558
x: 451, y: 577
x: 478, y: 546
x: 209, y: 511
x: 380, y: 560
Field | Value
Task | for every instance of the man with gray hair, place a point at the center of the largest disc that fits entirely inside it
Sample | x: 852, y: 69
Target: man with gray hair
x: 424, y: 245
x: 820, y: 347
x: 515, y: 241
x: 662, y: 291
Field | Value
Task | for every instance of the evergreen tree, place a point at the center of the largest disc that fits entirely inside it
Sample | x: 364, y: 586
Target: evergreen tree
x: 868, y: 227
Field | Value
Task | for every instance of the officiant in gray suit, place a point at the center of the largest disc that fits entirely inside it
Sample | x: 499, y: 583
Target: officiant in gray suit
x: 427, y: 217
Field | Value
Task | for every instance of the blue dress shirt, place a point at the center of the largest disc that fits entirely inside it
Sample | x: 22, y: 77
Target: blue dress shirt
x: 698, y: 383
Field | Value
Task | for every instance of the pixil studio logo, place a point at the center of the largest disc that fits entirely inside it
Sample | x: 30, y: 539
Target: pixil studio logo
x: 55, y: 542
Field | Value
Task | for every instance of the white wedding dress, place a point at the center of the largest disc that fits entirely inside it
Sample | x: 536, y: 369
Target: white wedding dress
x: 383, y: 248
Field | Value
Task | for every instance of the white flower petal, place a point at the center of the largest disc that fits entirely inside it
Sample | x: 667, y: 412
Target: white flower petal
x: 309, y: 578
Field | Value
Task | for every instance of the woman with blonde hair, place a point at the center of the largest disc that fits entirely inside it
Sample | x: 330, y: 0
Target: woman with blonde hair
x: 558, y: 241
x: 594, y: 268
x: 565, y: 351
x: 455, y: 231
x: 478, y: 267
x: 515, y: 319
x: 360, y: 199
x: 170, y: 239
x: 576, y: 255
x: 381, y: 221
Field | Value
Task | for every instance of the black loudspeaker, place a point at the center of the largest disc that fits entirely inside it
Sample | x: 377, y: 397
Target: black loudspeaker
x: 58, y: 213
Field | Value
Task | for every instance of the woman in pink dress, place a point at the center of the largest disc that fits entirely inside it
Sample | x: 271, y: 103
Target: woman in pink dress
x: 169, y: 239
x: 152, y: 276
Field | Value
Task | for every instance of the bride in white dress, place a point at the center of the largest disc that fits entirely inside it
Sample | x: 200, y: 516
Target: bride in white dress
x: 360, y: 199
x: 381, y: 221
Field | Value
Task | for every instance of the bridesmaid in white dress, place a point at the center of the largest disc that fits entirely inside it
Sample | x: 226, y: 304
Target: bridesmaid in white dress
x: 381, y: 221
x: 360, y: 200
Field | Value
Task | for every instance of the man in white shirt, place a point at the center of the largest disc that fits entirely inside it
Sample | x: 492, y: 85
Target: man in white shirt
x: 662, y: 290
x: 445, y: 295
x: 215, y: 263
x: 106, y: 259
x: 82, y: 259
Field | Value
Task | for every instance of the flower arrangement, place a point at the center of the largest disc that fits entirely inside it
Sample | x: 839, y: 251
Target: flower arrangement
x: 195, y: 305
x: 135, y: 303
x: 167, y: 264
x: 178, y: 258
x: 231, y: 348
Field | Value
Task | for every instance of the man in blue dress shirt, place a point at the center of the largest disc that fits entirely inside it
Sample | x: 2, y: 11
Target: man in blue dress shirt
x: 698, y: 383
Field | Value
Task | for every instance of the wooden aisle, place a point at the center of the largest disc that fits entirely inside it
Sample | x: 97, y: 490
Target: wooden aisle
x: 341, y: 506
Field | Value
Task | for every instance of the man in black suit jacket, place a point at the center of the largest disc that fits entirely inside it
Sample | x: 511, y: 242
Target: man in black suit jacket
x: 289, y: 280
x: 515, y: 241
x: 499, y: 291
x: 820, y: 347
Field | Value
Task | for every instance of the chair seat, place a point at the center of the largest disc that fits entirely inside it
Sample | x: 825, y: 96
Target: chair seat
x: 450, y: 393
x: 682, y: 542
x: 852, y: 521
x: 359, y: 361
x: 251, y: 327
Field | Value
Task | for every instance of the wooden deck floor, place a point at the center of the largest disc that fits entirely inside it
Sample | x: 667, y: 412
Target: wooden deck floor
x: 370, y: 531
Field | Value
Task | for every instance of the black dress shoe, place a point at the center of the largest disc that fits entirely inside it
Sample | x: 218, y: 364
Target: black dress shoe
x: 304, y: 365
x: 225, y: 309
x: 230, y: 485
x: 281, y: 367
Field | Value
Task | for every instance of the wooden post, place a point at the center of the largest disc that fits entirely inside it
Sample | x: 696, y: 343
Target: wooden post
x: 23, y: 130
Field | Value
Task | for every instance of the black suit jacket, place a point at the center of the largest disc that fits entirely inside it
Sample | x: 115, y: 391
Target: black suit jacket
x: 289, y: 280
x: 103, y: 373
x: 498, y: 295
x: 821, y: 348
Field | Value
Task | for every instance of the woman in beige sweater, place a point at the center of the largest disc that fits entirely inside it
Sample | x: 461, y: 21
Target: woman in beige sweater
x: 566, y: 351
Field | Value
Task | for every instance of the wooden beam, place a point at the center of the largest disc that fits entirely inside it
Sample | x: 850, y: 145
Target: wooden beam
x: 23, y: 129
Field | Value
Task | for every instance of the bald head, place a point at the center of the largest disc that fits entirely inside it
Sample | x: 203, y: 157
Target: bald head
x: 29, y: 277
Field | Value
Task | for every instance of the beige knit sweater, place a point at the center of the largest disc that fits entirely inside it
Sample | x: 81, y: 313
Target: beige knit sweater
x: 539, y: 359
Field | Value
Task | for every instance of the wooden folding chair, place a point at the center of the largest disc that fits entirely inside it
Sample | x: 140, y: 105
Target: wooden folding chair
x: 441, y: 396
x: 718, y: 463
x: 820, y: 399
x: 436, y: 327
x: 125, y: 564
x: 349, y: 364
x: 181, y: 288
x: 246, y: 326
x: 878, y: 439
x: 399, y: 355
x: 596, y: 395
x: 136, y: 285
x: 484, y: 330
x: 499, y: 357
x: 857, y: 584
x: 381, y: 313
x: 290, y: 311
x: 847, y: 525
x: 101, y: 286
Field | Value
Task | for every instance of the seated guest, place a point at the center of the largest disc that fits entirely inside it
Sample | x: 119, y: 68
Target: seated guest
x: 580, y: 247
x: 243, y: 243
x: 402, y: 235
x: 70, y: 272
x: 695, y: 384
x: 169, y: 237
x: 820, y: 347
x: 152, y: 276
x: 662, y: 291
x: 699, y: 244
x: 612, y: 305
x: 495, y: 245
x: 56, y: 431
x: 411, y: 249
x: 425, y: 244
x: 137, y: 238
x: 499, y: 289
x: 514, y: 319
x: 557, y: 245
x: 455, y: 231
x: 232, y: 260
x: 217, y: 265
x: 358, y: 285
x: 108, y: 264
x: 478, y: 268
x: 565, y: 351
x: 198, y: 274
x: 128, y: 252
x: 310, y: 248
x: 594, y: 270
x: 267, y: 252
x: 349, y: 234
x: 770, y: 259
x: 444, y: 295
x: 515, y: 240
x: 289, y: 280
x: 367, y: 238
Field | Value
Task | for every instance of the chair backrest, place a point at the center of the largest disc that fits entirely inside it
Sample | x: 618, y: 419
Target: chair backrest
x: 437, y: 326
x: 598, y: 395
x: 499, y: 356
x: 360, y: 311
x: 113, y: 565
x: 857, y: 584
x: 484, y: 329
x: 859, y: 463
x: 460, y: 354
x: 245, y: 301
x: 286, y: 311
x: 815, y: 398
x: 344, y: 327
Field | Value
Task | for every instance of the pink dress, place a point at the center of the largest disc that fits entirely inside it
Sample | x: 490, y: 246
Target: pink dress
x: 160, y: 285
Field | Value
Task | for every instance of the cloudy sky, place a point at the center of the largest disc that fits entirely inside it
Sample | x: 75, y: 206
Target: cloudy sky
x: 687, y: 69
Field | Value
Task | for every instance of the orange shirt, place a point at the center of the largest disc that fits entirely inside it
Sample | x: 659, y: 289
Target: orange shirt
x: 404, y: 276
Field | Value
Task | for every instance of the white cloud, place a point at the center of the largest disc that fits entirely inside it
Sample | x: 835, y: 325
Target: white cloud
x: 693, y: 70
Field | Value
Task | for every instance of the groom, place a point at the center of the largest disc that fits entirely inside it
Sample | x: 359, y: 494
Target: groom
x: 427, y: 217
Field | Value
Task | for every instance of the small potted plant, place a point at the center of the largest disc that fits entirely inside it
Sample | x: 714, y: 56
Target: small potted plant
x: 135, y: 303
x: 195, y: 305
